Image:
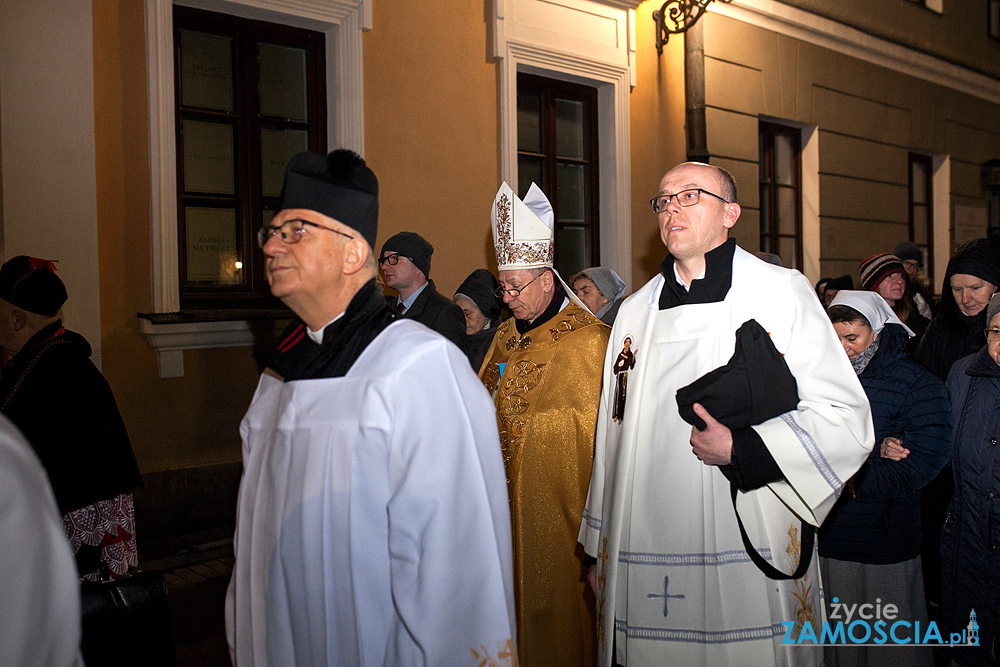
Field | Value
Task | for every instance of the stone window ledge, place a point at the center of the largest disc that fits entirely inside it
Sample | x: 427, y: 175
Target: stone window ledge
x: 172, y: 333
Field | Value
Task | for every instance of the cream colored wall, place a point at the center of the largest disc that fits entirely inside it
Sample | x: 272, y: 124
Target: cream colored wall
x: 869, y: 118
x: 958, y: 34
x: 657, y: 129
x: 47, y: 148
x: 431, y: 129
x: 173, y: 423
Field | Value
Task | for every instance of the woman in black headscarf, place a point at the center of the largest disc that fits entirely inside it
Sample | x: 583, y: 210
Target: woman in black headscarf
x: 477, y: 298
x: 971, y: 278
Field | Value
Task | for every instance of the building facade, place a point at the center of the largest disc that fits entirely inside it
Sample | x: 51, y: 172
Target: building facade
x: 849, y: 126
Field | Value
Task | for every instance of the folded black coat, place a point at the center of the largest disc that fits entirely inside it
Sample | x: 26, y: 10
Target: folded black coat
x: 754, y: 386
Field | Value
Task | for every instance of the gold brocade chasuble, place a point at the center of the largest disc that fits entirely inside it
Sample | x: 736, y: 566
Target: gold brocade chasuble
x: 547, y: 396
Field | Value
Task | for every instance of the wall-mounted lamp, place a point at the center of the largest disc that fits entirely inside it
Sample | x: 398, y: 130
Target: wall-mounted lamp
x: 676, y: 16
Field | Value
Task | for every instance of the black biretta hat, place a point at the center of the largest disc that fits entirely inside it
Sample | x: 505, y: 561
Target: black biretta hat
x: 754, y: 386
x: 339, y: 185
x: 31, y: 284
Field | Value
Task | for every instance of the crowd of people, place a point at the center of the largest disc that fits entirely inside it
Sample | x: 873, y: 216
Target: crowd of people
x: 544, y: 472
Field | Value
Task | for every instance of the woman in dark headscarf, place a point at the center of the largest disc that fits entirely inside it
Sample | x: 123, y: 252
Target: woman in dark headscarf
x: 957, y: 331
x: 477, y: 298
x: 972, y: 277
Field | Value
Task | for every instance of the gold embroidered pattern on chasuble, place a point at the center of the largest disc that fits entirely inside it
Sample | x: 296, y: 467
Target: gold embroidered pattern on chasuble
x: 512, y: 403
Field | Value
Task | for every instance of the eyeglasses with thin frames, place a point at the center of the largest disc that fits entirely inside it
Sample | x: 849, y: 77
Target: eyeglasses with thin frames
x: 688, y: 197
x: 291, y: 231
x: 992, y: 334
x: 515, y: 291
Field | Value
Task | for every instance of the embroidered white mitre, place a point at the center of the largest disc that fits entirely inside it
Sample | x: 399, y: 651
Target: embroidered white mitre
x: 524, y: 233
x: 522, y: 230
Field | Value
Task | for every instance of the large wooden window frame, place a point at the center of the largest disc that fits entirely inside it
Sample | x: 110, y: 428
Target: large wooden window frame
x: 252, y: 292
x: 769, y: 224
x: 927, y: 162
x: 548, y: 90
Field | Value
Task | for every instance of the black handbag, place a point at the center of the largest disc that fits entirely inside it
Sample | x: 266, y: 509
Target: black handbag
x: 126, y: 621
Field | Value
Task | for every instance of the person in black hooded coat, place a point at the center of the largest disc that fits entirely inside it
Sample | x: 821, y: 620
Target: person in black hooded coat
x: 477, y: 297
x: 955, y: 332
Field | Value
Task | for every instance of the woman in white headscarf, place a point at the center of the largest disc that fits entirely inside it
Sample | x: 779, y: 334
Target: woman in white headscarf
x: 869, y: 545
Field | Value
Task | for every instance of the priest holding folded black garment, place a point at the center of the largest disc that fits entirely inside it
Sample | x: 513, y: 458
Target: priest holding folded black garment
x: 372, y: 524
x: 675, y: 582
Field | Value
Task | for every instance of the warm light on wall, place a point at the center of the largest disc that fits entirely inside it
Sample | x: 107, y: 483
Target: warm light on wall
x: 676, y: 16
x: 239, y: 265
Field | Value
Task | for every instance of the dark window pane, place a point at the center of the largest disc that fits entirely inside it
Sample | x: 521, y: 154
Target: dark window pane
x: 282, y: 81
x: 206, y: 75
x: 919, y: 175
x: 786, y: 251
x: 248, y: 95
x: 571, y: 192
x: 569, y: 129
x: 784, y: 159
x: 765, y: 213
x: 276, y: 148
x: 529, y: 122
x: 558, y: 118
x: 572, y: 247
x: 780, y: 192
x: 529, y: 170
x: 209, y: 164
x: 212, y: 246
x: 787, y: 211
x: 920, y: 225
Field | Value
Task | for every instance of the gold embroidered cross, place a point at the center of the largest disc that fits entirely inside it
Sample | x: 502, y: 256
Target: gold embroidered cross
x: 794, y: 545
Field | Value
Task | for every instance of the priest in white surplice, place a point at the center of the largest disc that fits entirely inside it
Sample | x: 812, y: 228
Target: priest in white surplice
x: 372, y: 524
x: 674, y: 583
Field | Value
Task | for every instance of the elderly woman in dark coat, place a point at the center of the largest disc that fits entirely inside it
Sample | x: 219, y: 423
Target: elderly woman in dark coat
x: 869, y: 545
x: 972, y: 276
x: 477, y: 298
x: 970, y: 546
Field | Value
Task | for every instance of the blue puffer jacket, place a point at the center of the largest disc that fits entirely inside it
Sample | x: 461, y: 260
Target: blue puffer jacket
x: 880, y: 524
x: 970, y: 544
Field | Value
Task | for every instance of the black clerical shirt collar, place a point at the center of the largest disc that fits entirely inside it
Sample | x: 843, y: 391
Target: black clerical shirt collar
x: 711, y: 289
x: 558, y: 296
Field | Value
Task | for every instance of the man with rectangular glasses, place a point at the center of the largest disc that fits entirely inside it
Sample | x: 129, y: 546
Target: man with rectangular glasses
x: 675, y: 581
x: 372, y: 524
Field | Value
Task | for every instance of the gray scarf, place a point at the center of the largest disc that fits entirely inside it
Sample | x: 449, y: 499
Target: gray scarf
x: 861, y: 361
